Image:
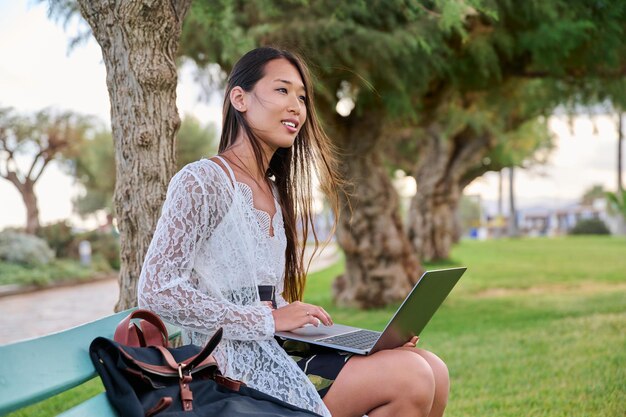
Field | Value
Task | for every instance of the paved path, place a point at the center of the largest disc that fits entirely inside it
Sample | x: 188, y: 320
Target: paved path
x: 37, y: 313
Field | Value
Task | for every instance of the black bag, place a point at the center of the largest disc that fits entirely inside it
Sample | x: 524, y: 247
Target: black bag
x: 184, y: 381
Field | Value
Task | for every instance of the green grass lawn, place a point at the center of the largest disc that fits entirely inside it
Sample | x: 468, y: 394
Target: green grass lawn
x: 536, y: 327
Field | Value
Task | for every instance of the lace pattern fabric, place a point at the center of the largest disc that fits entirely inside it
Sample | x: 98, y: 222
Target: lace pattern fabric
x: 210, y: 251
x: 263, y: 217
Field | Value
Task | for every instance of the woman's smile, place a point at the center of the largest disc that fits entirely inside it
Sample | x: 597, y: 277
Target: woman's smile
x: 291, y: 125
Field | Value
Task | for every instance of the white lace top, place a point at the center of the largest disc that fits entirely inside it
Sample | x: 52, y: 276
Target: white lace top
x: 210, y: 251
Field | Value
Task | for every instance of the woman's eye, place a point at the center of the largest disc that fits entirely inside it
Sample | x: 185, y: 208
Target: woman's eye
x: 282, y: 90
x: 302, y: 99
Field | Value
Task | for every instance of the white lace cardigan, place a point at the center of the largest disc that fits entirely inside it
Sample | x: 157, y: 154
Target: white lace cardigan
x: 210, y: 251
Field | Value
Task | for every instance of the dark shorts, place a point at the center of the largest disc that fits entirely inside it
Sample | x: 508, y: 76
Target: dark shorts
x: 321, y: 365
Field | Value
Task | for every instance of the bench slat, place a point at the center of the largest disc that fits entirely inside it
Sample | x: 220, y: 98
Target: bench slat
x: 36, y: 369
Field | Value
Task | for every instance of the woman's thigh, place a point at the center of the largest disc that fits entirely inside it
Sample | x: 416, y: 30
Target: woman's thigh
x: 368, y: 382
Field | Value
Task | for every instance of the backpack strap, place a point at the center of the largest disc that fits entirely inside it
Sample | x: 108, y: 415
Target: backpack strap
x: 150, y: 332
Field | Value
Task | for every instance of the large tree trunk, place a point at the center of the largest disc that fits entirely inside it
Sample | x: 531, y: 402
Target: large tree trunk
x: 380, y: 266
x: 139, y: 41
x: 432, y: 224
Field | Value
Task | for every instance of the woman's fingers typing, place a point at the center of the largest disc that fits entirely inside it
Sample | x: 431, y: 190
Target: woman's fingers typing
x: 325, y: 317
x: 297, y: 314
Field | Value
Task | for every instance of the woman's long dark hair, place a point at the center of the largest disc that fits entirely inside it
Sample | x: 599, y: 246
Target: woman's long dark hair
x: 292, y: 168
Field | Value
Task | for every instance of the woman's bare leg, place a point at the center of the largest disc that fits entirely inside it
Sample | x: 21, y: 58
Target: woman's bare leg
x: 387, y: 383
x: 442, y: 380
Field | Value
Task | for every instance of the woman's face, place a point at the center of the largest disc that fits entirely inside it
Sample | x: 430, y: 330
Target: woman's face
x: 275, y: 108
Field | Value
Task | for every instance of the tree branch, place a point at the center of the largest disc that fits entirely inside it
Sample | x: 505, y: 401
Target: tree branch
x: 43, y: 166
x: 13, y: 178
x: 35, y: 159
x: 9, y: 153
x: 15, y: 172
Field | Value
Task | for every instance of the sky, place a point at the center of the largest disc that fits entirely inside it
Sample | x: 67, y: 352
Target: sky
x: 37, y: 70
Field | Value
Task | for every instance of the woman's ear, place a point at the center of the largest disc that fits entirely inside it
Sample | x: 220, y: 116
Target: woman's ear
x: 238, y: 99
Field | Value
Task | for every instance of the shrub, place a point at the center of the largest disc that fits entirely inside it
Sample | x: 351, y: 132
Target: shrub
x: 590, y: 227
x: 60, y: 238
x: 105, y: 245
x: 56, y: 271
x: 24, y: 249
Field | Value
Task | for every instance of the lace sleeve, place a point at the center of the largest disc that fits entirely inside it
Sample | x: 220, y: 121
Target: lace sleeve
x: 280, y: 288
x: 167, y: 285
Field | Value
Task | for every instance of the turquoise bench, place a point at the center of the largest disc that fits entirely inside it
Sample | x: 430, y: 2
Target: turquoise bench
x: 36, y: 369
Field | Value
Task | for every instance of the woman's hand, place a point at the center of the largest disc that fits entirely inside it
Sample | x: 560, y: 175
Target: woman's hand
x: 297, y: 314
x: 413, y: 342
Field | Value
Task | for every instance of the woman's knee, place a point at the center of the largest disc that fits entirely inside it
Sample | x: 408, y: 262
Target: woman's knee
x: 413, y: 379
x: 438, y: 366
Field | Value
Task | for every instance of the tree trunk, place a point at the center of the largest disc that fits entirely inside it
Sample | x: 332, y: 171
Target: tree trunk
x: 139, y: 41
x: 432, y: 223
x: 32, y: 208
x: 380, y: 266
x: 26, y: 188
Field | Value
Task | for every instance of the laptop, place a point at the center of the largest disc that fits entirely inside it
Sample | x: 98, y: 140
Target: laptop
x: 409, y: 320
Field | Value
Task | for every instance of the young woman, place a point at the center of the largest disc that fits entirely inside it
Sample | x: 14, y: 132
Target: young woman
x: 226, y: 253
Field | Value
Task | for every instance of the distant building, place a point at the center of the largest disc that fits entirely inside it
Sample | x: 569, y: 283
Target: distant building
x: 560, y: 221
x: 542, y: 221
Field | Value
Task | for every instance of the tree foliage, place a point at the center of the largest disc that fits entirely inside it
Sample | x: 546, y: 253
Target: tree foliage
x: 617, y: 200
x: 590, y: 195
x: 195, y: 140
x: 94, y: 165
x: 94, y: 168
x: 371, y: 52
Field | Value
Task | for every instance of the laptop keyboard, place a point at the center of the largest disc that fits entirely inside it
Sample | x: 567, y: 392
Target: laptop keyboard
x: 360, y: 339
